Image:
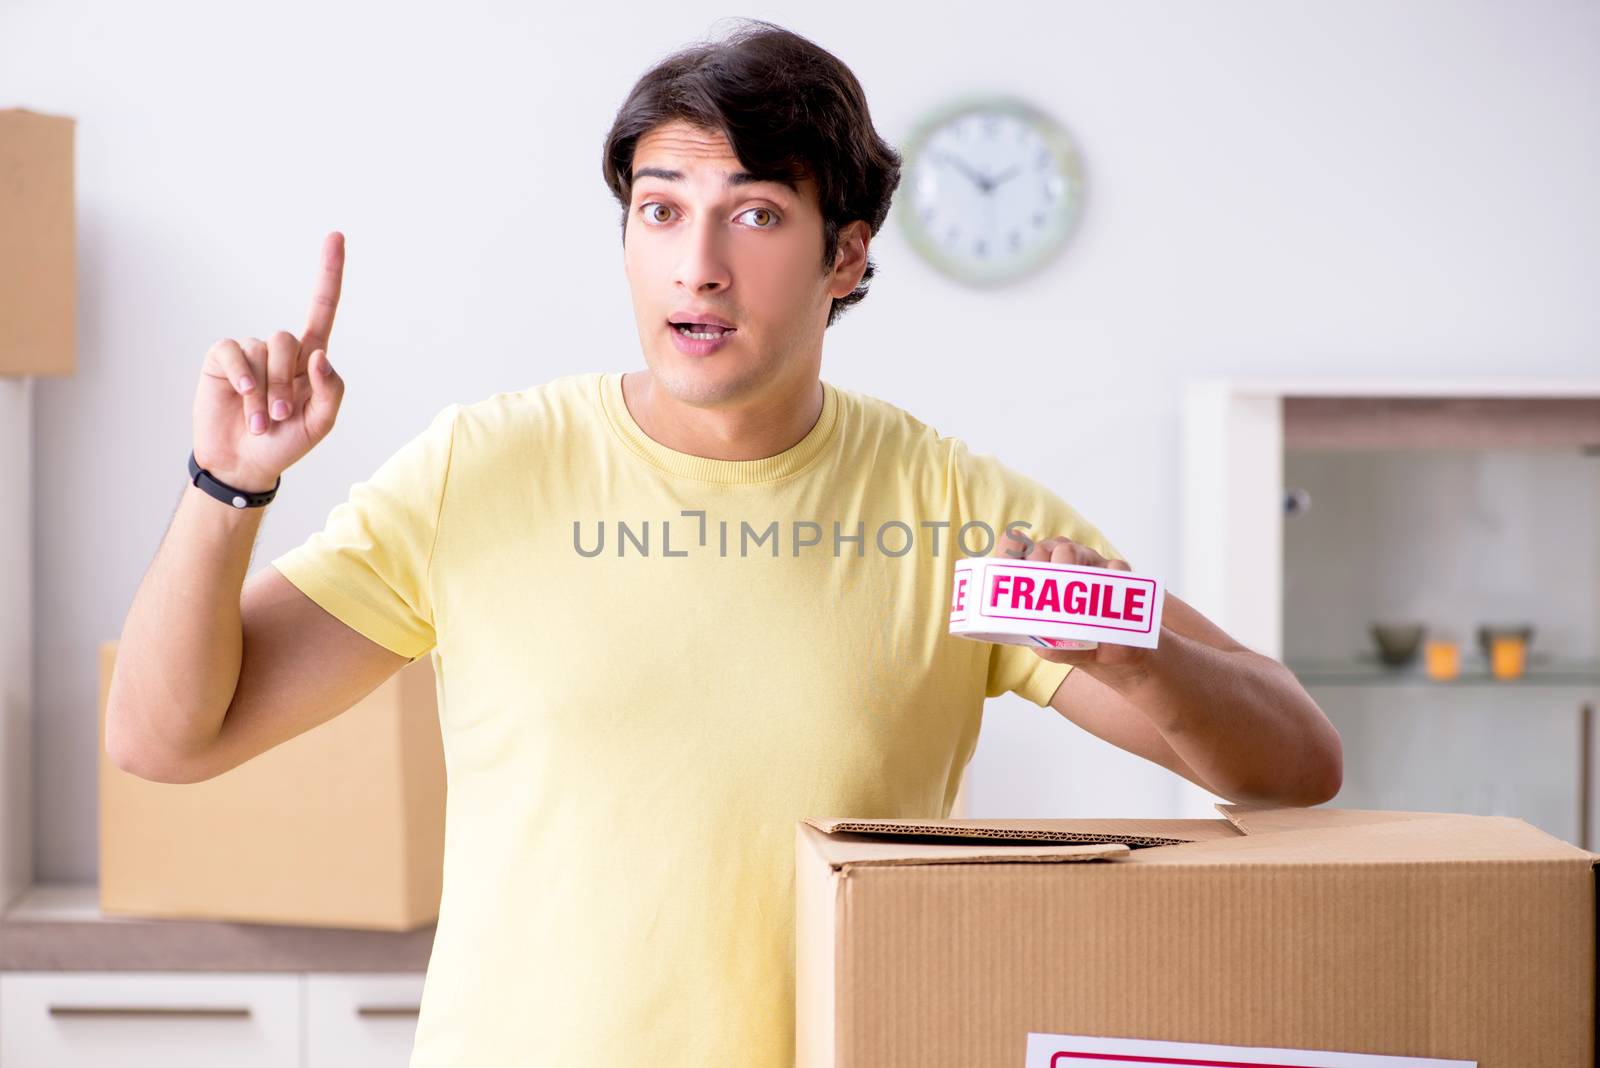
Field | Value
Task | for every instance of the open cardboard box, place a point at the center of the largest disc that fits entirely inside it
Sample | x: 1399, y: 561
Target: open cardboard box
x: 947, y: 942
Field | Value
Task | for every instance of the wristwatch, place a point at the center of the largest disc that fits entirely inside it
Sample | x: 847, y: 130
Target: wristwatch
x: 227, y: 494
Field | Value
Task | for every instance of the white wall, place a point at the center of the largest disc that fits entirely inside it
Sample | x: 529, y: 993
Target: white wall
x: 1275, y: 187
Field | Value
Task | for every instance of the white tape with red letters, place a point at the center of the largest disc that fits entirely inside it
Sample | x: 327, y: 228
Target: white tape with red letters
x: 1058, y: 606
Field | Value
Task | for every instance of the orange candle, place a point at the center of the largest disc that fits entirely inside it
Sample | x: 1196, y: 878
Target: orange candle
x: 1508, y: 657
x: 1443, y: 659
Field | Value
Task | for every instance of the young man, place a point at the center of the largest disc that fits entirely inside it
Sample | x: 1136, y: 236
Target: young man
x: 672, y: 611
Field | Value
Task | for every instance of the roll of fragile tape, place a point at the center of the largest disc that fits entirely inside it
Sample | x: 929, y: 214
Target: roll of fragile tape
x: 1058, y: 606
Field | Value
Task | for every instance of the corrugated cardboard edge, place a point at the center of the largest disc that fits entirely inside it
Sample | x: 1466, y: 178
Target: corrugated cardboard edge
x: 861, y: 851
x: 1026, y: 831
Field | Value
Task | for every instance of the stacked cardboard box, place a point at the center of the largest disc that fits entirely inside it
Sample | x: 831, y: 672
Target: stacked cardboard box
x: 342, y: 826
x: 38, y: 238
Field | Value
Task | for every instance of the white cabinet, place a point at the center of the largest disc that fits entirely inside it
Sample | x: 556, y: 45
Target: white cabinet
x: 182, y: 1019
x: 359, y: 1021
x: 159, y: 1020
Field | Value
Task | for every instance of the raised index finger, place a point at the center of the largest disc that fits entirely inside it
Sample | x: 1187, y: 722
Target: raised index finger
x: 324, y: 297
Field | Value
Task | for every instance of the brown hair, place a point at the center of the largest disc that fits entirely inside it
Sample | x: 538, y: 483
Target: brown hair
x: 789, y: 109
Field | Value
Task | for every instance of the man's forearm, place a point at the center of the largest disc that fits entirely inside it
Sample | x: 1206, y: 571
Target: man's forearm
x: 181, y: 645
x: 1239, y: 719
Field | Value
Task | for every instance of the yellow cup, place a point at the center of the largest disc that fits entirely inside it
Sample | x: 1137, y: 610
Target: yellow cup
x: 1508, y: 657
x: 1443, y: 658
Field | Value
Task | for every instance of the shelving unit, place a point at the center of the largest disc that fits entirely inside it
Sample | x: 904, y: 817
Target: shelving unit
x: 1237, y: 435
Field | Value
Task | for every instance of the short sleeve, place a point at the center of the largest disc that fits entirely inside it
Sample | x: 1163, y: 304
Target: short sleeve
x: 369, y: 564
x: 1001, y: 497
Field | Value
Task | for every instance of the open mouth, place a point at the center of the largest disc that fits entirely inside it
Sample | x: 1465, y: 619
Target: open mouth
x: 702, y: 331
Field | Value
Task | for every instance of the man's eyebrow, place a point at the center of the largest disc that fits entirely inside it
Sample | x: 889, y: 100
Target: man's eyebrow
x: 737, y: 178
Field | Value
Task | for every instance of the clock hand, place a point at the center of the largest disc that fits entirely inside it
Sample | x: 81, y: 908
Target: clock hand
x: 1003, y: 176
x: 988, y: 184
x: 961, y: 165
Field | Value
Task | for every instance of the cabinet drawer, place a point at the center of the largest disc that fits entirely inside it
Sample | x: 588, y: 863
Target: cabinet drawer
x: 359, y: 1020
x: 149, y: 1019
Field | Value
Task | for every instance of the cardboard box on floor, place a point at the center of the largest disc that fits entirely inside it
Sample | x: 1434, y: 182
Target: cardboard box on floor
x: 1402, y: 933
x: 341, y: 826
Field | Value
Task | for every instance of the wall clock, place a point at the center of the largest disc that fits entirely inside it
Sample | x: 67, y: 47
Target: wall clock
x: 992, y: 189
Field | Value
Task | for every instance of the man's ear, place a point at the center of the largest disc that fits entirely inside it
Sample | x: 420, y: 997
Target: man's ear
x: 850, y: 262
x: 853, y: 231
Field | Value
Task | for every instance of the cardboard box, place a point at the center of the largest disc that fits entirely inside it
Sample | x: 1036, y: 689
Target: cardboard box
x: 1059, y: 606
x: 38, y: 242
x: 342, y: 826
x: 949, y: 942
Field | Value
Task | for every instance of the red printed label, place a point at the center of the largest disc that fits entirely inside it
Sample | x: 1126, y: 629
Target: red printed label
x: 1084, y: 1051
x: 1090, y: 597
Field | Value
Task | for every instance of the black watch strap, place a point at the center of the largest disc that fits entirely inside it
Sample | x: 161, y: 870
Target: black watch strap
x: 227, y: 494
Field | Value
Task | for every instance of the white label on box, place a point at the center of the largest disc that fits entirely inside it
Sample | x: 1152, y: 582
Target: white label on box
x: 1082, y: 1051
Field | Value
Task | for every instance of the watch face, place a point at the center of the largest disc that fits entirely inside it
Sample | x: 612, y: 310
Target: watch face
x: 992, y: 189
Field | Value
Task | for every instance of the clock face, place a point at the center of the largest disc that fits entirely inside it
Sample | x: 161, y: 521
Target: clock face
x: 992, y: 189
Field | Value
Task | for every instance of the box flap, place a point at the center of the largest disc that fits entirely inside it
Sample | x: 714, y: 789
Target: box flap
x: 845, y: 842
x: 1431, y: 837
x: 1271, y: 819
x: 1134, y: 832
x: 844, y: 850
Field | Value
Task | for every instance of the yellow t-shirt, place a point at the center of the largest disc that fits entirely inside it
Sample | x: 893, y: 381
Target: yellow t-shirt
x: 638, y: 704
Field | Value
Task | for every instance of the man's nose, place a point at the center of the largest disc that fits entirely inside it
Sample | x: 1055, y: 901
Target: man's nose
x: 704, y: 264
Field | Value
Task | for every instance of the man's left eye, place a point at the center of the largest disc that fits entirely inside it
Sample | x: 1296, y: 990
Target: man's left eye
x: 769, y: 213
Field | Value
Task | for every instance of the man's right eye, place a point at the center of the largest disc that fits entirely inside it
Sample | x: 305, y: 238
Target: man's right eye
x: 647, y: 207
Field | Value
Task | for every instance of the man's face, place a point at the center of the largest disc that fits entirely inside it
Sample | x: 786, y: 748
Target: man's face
x: 748, y: 252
